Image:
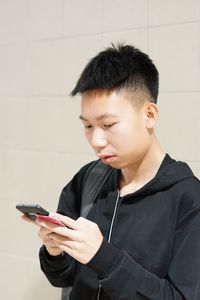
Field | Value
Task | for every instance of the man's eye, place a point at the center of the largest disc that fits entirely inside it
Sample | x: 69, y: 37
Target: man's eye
x: 109, y: 125
x: 88, y: 126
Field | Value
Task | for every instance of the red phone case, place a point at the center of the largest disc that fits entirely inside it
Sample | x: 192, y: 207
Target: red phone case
x: 50, y: 220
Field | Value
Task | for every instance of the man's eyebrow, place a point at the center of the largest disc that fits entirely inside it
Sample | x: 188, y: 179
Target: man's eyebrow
x: 108, y: 115
x: 82, y: 118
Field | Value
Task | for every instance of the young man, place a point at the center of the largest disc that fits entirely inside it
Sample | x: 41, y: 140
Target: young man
x: 142, y: 236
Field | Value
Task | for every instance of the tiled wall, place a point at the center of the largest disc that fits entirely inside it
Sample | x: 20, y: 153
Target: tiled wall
x: 44, y: 45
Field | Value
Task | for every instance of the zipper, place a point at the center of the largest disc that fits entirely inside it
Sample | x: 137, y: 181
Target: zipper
x: 99, y: 292
x: 113, y: 217
x: 110, y: 233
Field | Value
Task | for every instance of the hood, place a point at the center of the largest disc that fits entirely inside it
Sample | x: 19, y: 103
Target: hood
x: 170, y: 172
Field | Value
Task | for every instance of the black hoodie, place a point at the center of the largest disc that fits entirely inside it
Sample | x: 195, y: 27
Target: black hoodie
x: 151, y: 246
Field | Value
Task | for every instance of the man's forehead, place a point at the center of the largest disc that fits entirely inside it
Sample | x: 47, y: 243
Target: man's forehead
x: 136, y: 96
x: 101, y: 105
x: 103, y: 96
x: 97, y: 93
x: 100, y: 116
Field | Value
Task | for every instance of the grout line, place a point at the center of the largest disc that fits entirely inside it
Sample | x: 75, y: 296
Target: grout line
x: 65, y: 37
x: 53, y: 152
x: 102, y: 16
x: 67, y: 153
x: 62, y: 37
x: 151, y: 26
x: 147, y: 33
x: 35, y: 95
x: 19, y: 256
x: 179, y: 92
x: 63, y: 17
x: 102, y: 22
x: 191, y: 161
x: 174, y: 24
x: 63, y: 96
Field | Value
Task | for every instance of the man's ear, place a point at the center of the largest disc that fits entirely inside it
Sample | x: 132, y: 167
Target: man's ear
x: 151, y: 112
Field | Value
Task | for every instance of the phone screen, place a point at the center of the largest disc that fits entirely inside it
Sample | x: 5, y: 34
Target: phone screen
x: 50, y: 220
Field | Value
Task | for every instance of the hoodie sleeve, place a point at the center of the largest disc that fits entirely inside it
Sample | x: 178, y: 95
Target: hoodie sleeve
x: 60, y: 270
x: 123, y: 278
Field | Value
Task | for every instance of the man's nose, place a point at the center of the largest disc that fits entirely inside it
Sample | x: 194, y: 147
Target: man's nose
x: 98, y: 139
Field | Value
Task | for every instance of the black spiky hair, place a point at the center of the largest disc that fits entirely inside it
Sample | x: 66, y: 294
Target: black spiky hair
x: 117, y: 68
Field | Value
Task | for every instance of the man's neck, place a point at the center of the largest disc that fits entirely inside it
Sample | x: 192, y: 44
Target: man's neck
x: 137, y: 175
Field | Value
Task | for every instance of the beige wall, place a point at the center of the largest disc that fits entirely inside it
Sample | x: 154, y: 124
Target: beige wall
x: 44, y: 45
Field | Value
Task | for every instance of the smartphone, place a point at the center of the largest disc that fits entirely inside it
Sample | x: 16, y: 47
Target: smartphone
x: 35, y: 211
x: 32, y: 210
x: 50, y: 220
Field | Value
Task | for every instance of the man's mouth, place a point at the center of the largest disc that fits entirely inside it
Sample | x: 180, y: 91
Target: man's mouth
x: 107, y: 158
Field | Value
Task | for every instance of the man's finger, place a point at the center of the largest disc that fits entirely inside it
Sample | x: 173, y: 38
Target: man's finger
x: 69, y: 222
x: 25, y: 218
x: 64, y: 231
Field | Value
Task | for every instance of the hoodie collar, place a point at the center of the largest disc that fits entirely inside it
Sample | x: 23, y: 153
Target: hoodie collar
x: 169, y: 173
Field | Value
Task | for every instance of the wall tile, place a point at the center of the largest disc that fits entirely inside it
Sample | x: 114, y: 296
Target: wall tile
x: 13, y: 71
x: 12, y: 122
x: 82, y: 17
x: 178, y: 127
x: 29, y: 177
x: 27, y: 280
x: 45, y: 19
x: 44, y: 46
x: 171, y: 12
x: 40, y: 173
x: 36, y: 177
x: 175, y: 50
x: 72, y: 142
x: 127, y: 14
x: 44, y: 68
x: 13, y: 21
x: 24, y: 233
x: 12, y: 175
x: 45, y: 175
x: 77, y: 52
x: 195, y: 166
x: 42, y: 123
x: 68, y: 165
x: 136, y: 37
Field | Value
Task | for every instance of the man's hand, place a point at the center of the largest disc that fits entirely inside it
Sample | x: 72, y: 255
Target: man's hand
x: 50, y: 244
x: 47, y: 240
x: 81, y: 238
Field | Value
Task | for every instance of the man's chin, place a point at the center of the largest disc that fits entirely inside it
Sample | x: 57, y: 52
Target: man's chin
x: 114, y: 164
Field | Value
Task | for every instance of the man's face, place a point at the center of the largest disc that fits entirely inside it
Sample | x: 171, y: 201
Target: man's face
x: 115, y: 128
